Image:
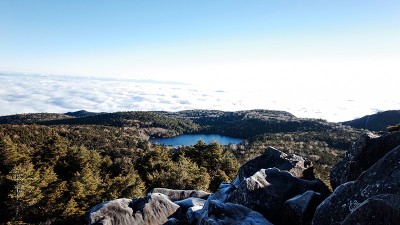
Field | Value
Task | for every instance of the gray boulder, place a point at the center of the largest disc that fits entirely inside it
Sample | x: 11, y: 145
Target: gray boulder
x: 151, y: 210
x: 190, y: 202
x: 193, y: 214
x: 377, y: 210
x: 173, y: 221
x: 273, y: 158
x: 268, y: 189
x: 300, y: 209
x: 176, y: 195
x: 225, y: 189
x: 364, y: 153
x: 383, y: 178
x: 113, y: 212
x: 218, y: 213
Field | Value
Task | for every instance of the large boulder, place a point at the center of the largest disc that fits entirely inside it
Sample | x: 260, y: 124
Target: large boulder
x: 364, y: 153
x: 113, y: 212
x: 353, y: 199
x: 380, y: 209
x: 176, y: 195
x: 268, y: 189
x: 193, y: 214
x: 151, y: 210
x: 225, y: 189
x: 300, y: 209
x: 273, y: 158
x: 218, y: 213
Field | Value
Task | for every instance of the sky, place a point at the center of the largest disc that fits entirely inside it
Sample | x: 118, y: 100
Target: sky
x: 299, y: 53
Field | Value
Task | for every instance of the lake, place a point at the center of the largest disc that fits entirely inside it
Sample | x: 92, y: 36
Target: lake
x: 191, y: 139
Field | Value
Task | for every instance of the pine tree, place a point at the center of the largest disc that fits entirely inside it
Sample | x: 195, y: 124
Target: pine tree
x: 11, y: 154
x: 126, y: 186
x: 25, y: 191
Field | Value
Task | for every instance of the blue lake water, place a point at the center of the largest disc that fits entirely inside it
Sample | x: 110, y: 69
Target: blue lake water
x: 191, y: 139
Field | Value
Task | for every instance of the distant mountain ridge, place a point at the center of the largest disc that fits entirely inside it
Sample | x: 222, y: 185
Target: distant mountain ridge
x: 82, y: 113
x: 243, y: 124
x: 376, y: 122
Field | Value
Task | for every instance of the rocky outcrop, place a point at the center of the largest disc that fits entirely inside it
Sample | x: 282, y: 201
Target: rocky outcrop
x: 362, y: 155
x: 151, y: 210
x: 272, y: 158
x: 263, y: 188
x: 268, y: 190
x: 373, y: 195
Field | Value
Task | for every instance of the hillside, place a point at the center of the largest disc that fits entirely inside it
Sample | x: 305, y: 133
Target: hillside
x: 31, y: 118
x: 376, y: 122
x: 71, y: 162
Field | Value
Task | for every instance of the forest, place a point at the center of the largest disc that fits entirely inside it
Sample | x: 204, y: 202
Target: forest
x: 54, y: 167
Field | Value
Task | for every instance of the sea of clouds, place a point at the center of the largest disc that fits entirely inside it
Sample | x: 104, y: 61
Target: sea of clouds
x: 29, y: 93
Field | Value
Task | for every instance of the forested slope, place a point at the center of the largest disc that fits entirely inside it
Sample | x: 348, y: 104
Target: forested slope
x: 56, y: 166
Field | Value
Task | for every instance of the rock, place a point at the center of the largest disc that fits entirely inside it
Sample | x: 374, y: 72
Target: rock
x: 268, y: 189
x: 190, y: 202
x: 193, y: 214
x: 380, y: 209
x: 300, y: 209
x: 172, y: 221
x: 113, y: 212
x: 153, y: 209
x: 380, y: 179
x: 365, y: 152
x: 218, y: 213
x: 296, y: 165
x: 225, y: 189
x: 176, y: 195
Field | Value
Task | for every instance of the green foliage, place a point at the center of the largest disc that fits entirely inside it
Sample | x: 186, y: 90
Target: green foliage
x: 11, y: 153
x: 125, y: 186
x: 220, y: 164
x: 158, y: 169
x: 52, y: 173
x: 45, y: 179
x: 25, y: 188
x: 168, y: 126
x: 394, y: 128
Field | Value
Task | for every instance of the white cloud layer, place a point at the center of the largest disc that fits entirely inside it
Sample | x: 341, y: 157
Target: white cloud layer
x: 37, y: 93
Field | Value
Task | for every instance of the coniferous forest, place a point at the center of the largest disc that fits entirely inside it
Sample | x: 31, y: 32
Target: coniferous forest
x: 54, y: 167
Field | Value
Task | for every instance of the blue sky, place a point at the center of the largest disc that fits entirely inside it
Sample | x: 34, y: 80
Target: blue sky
x: 329, y: 49
x: 161, y: 38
